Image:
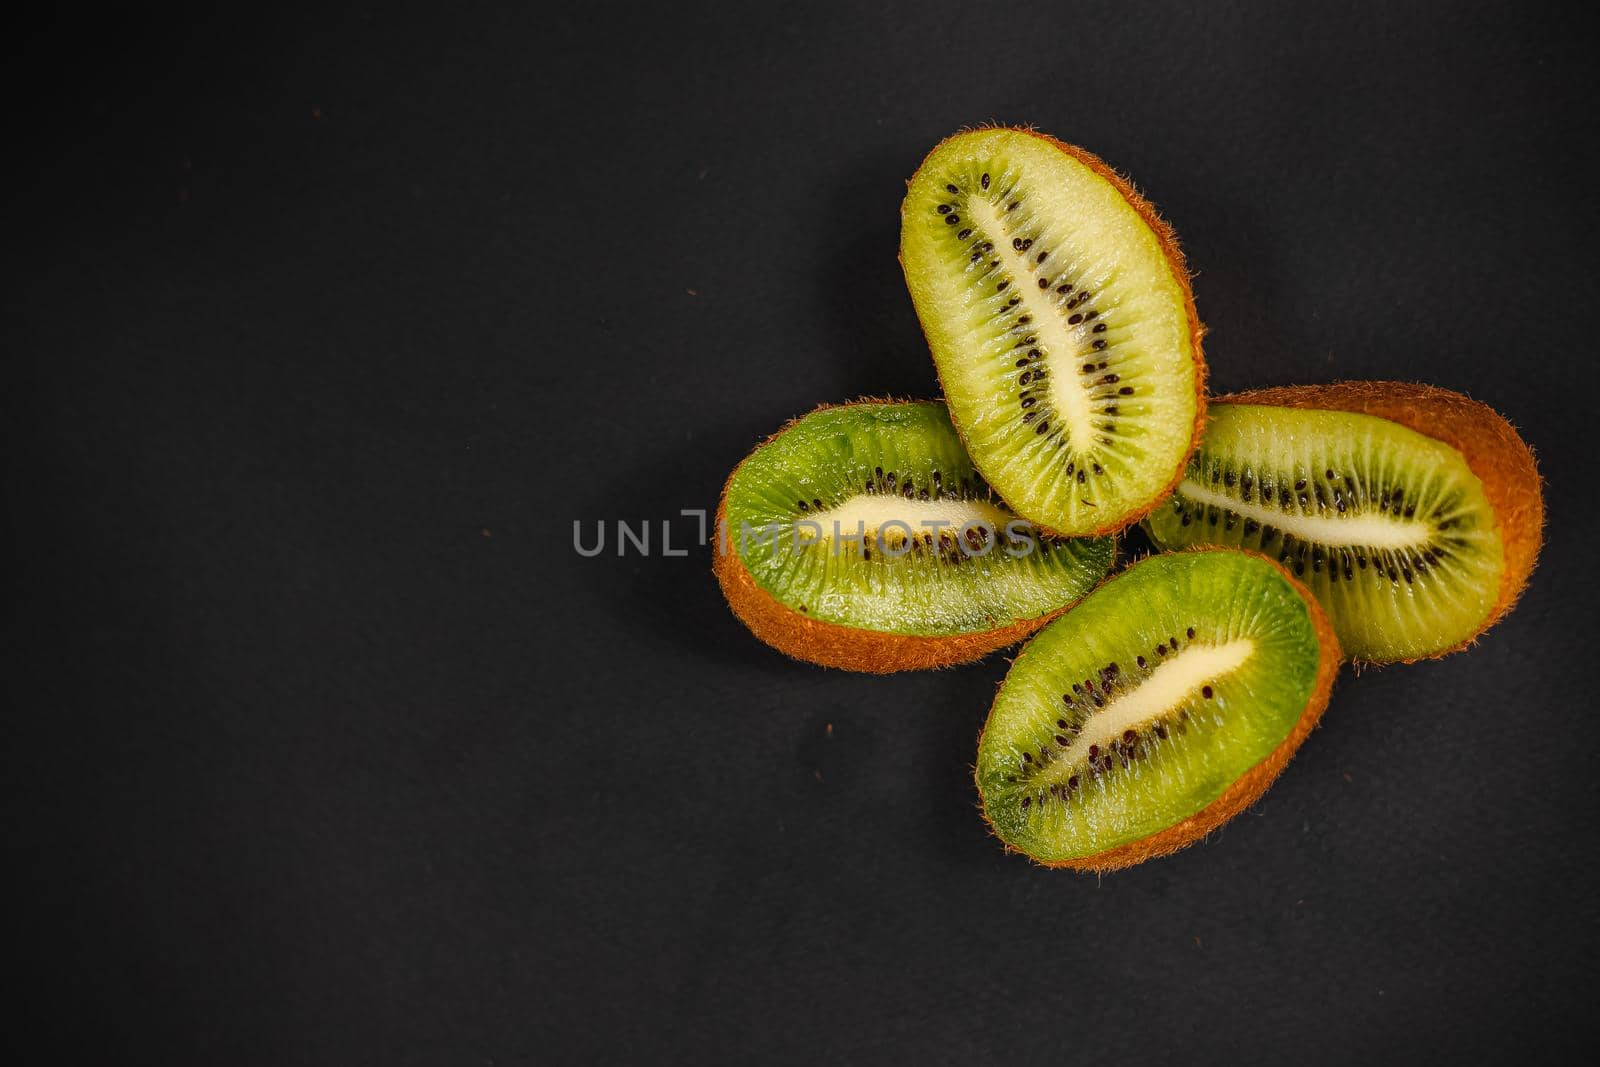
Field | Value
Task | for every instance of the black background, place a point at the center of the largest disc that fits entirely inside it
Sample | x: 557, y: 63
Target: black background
x: 326, y: 747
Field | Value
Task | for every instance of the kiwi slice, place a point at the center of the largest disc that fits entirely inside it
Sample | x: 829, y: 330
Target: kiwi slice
x: 1059, y: 313
x: 1157, y: 709
x: 1413, y: 513
x: 861, y: 537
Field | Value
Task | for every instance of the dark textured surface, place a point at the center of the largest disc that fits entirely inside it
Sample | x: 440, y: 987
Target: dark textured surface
x: 325, y: 747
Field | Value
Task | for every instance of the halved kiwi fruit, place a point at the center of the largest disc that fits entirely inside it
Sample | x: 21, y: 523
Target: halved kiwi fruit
x: 1412, y: 512
x: 861, y: 537
x: 1156, y: 709
x: 1058, y: 309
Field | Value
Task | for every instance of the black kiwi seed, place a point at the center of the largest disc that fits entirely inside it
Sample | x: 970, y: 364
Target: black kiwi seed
x: 984, y: 181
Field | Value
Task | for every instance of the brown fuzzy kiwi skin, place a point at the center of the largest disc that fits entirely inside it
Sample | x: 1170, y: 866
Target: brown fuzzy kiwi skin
x: 1492, y: 448
x: 830, y: 644
x: 1248, y: 787
x: 1167, y: 237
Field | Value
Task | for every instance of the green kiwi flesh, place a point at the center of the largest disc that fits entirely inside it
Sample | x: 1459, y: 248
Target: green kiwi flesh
x: 1145, y: 704
x: 871, y: 516
x: 1390, y: 529
x: 1059, y: 316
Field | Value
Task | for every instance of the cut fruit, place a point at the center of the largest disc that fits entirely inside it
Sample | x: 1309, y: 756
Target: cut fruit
x: 1059, y: 313
x: 860, y: 537
x: 1154, y: 711
x: 1413, y: 513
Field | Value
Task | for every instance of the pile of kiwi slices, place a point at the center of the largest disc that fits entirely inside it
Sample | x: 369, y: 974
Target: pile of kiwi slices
x: 1301, y: 526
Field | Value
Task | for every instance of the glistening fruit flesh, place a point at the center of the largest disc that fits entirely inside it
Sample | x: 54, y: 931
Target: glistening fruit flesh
x: 1415, y: 533
x: 1157, y: 708
x: 861, y: 537
x: 1058, y: 310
